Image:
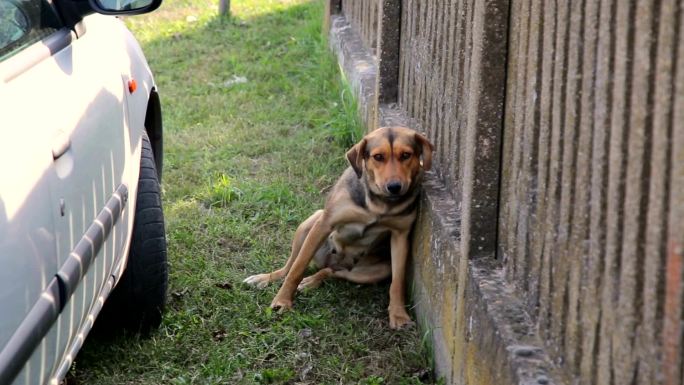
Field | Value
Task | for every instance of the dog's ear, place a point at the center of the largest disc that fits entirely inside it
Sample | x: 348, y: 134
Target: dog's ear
x: 426, y: 149
x: 355, y: 157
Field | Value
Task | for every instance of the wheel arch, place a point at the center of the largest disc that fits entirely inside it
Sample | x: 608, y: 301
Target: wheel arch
x: 154, y: 129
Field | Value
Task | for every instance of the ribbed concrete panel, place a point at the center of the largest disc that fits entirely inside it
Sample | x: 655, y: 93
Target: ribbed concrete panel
x: 591, y: 205
x: 451, y: 79
x: 363, y: 17
x: 673, y: 336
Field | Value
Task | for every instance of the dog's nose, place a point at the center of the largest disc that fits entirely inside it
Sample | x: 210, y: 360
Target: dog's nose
x: 394, y: 188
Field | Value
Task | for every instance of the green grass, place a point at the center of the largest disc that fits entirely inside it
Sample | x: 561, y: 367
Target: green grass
x: 245, y: 163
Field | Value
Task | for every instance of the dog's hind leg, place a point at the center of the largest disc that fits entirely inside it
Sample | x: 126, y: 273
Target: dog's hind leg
x: 315, y: 280
x: 262, y: 280
x: 366, y: 274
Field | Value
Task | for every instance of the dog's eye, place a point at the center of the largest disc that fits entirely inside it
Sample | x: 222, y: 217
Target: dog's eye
x: 379, y: 157
x: 405, y: 156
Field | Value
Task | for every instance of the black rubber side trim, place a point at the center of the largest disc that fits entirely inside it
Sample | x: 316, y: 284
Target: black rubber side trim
x: 30, y: 332
x: 44, y: 313
x: 75, y: 267
x: 51, y: 302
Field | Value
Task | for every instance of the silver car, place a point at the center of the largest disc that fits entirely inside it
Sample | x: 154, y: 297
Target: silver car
x: 80, y: 166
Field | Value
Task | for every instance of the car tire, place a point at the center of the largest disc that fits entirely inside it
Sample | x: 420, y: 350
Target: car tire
x: 138, y: 301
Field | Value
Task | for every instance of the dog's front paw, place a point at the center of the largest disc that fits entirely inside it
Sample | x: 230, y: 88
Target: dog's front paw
x: 281, y: 304
x: 259, y: 280
x: 399, y: 318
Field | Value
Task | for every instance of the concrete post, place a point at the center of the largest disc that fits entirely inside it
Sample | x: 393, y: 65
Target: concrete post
x: 332, y: 7
x: 387, y: 52
x: 224, y: 7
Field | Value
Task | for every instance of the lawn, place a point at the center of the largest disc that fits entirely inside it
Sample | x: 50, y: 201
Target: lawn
x: 257, y: 121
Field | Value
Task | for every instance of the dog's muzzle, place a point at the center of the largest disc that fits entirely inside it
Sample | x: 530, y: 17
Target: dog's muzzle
x: 393, y: 188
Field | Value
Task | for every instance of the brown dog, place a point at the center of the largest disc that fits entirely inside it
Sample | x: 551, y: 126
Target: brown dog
x: 362, y: 233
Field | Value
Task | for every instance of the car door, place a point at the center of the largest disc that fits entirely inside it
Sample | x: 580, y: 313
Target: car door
x: 89, y: 147
x: 63, y: 106
x: 29, y: 291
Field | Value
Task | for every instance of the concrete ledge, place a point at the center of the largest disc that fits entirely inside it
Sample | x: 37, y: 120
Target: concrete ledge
x: 479, y: 330
x: 357, y: 64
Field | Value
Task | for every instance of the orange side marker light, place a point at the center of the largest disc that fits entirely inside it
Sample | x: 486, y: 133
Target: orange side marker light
x: 132, y: 86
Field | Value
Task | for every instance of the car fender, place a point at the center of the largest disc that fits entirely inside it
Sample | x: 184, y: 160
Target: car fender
x: 141, y: 99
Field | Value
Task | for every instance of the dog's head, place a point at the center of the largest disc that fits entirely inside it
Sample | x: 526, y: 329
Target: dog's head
x: 390, y: 159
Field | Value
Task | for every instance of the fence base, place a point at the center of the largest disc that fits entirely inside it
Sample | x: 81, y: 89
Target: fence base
x: 480, y: 332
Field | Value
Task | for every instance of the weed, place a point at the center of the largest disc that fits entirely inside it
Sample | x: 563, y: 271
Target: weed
x: 223, y: 191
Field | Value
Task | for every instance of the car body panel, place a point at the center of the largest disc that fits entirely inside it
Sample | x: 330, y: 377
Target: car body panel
x: 94, y: 125
x: 27, y: 242
x: 87, y: 133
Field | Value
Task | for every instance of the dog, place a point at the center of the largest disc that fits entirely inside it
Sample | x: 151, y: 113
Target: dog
x: 362, y: 234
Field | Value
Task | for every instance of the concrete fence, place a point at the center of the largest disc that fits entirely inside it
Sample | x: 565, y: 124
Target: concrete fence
x: 550, y: 241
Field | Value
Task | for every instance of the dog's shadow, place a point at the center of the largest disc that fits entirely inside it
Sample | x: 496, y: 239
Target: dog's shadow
x: 352, y: 298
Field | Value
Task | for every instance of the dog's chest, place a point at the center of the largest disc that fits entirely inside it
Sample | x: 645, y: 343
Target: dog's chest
x: 358, y: 234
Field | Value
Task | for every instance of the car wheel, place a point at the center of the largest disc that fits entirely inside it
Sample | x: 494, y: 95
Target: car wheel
x: 137, y: 302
